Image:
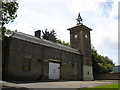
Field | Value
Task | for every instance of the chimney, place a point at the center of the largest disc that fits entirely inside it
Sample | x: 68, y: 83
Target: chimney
x: 38, y: 33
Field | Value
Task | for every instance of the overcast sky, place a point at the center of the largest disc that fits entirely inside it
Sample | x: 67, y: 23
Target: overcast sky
x: 100, y: 15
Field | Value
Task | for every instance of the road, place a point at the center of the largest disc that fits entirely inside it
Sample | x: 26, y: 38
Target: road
x: 61, y: 84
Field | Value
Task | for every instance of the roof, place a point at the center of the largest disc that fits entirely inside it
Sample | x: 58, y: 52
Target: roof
x: 33, y: 39
x: 80, y: 26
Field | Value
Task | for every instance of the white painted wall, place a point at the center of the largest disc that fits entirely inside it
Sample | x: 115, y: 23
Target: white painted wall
x: 87, y: 72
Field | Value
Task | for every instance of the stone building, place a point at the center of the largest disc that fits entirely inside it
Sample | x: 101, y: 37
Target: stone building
x: 30, y: 58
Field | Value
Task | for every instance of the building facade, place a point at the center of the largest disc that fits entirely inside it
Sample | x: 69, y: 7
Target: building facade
x: 30, y: 58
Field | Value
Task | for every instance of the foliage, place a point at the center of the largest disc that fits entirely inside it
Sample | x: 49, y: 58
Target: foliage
x: 59, y: 41
x: 2, y: 31
x: 63, y: 42
x: 45, y: 34
x: 101, y: 64
x: 49, y: 35
x: 8, y: 11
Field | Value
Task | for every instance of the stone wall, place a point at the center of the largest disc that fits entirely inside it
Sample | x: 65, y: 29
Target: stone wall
x: 87, y: 72
x: 28, y: 61
x: 111, y: 76
x: 0, y: 59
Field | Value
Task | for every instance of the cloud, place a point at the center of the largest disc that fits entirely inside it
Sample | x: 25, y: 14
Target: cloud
x: 105, y: 34
x: 41, y: 1
x: 100, y: 15
x: 85, y: 5
x: 22, y: 26
x: 42, y: 17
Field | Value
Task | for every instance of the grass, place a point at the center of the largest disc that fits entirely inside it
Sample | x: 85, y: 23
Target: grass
x: 117, y: 85
x: 104, y: 87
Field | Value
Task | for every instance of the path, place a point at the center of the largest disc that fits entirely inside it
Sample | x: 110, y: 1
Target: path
x: 62, y: 84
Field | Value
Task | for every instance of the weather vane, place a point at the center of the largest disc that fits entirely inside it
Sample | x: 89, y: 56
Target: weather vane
x: 79, y: 19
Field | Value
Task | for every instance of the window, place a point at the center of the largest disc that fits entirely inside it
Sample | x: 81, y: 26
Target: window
x: 26, y: 67
x: 87, y: 62
x: 73, y: 64
x: 76, y: 44
x: 88, y: 72
x: 39, y: 60
x: 27, y: 64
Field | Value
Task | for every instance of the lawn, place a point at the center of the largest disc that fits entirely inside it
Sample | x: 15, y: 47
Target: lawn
x: 104, y: 87
x: 117, y: 85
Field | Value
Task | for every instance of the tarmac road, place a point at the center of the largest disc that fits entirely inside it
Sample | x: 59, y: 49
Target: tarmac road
x: 58, y: 85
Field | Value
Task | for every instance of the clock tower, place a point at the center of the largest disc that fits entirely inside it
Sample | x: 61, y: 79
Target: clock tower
x: 80, y: 40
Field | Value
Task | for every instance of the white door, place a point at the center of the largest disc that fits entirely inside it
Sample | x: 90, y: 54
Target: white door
x: 54, y: 70
x: 51, y: 70
x: 57, y: 71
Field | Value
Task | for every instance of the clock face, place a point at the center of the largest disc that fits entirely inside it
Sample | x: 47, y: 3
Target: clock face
x: 75, y: 36
x: 86, y: 36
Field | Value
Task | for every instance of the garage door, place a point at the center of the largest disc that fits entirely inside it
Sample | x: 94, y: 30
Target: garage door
x: 54, y: 70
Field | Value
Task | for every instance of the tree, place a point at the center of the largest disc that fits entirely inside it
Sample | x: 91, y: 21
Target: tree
x: 63, y: 42
x: 59, y: 41
x: 45, y: 34
x: 8, y: 13
x: 101, y: 64
x: 49, y: 35
x: 53, y: 36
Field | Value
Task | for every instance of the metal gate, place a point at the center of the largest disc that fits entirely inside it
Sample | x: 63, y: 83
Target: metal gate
x: 54, y: 70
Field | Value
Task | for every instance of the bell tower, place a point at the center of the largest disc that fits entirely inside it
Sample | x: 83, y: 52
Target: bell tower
x: 80, y: 40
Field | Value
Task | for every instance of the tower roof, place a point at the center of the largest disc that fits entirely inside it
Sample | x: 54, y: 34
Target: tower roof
x: 79, y: 27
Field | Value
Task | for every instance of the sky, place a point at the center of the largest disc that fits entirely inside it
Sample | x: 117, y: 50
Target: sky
x: 99, y: 15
